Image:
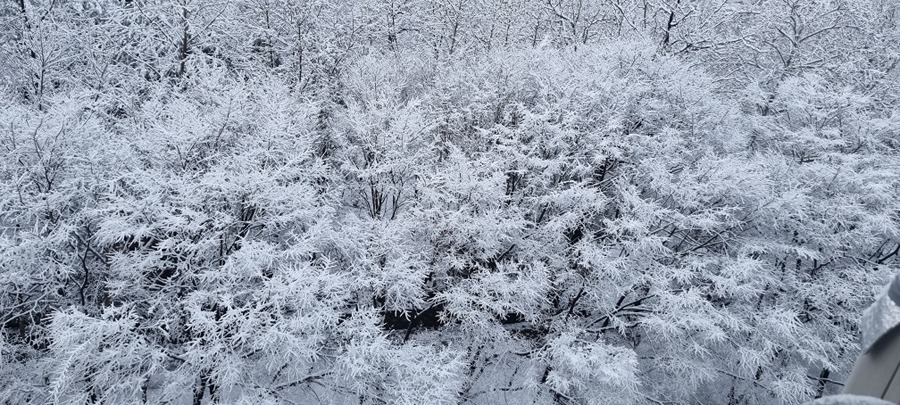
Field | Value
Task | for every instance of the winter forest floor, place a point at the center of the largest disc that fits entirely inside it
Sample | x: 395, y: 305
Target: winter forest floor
x: 443, y: 201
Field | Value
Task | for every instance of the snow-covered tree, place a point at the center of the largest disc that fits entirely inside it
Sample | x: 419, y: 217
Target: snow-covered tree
x: 389, y: 201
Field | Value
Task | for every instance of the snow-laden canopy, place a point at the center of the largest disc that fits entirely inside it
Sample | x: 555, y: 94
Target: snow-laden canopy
x: 442, y: 202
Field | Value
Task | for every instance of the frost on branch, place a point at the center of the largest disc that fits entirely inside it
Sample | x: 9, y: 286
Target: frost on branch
x: 441, y: 202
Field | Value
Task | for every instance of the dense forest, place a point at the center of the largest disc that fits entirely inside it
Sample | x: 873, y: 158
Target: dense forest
x: 645, y: 202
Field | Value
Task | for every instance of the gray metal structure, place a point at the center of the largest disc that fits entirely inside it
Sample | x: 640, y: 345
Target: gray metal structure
x: 875, y: 373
